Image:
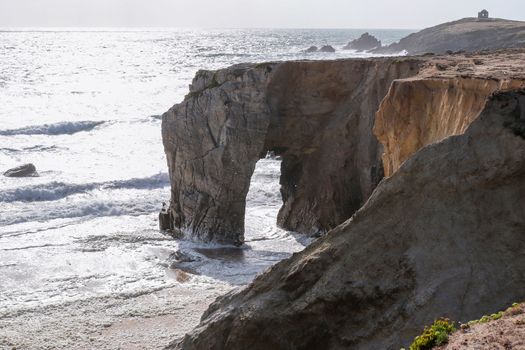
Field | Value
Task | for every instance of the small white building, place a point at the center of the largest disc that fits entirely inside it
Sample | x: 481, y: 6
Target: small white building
x: 483, y: 14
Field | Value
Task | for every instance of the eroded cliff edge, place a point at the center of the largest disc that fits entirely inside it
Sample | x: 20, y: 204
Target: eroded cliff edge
x: 442, y: 237
x: 443, y: 100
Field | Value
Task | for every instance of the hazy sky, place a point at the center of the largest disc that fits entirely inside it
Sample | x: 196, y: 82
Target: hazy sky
x: 250, y: 13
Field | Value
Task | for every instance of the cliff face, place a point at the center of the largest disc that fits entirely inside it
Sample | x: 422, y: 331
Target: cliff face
x: 468, y: 34
x: 317, y: 115
x: 209, y: 170
x: 419, y: 112
x: 443, y: 236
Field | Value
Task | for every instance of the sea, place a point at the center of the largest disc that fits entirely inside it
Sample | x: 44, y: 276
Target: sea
x: 84, y: 106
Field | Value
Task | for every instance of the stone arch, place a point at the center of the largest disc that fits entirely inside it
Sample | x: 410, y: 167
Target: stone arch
x: 318, y: 116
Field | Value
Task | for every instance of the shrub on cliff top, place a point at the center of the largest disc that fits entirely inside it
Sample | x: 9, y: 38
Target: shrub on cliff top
x: 434, y: 335
x: 486, y: 318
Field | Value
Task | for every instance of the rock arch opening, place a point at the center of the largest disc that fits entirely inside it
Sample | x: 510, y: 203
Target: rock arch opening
x: 264, y: 200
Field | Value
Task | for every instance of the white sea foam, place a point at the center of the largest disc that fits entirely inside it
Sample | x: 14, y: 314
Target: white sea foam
x: 102, y: 204
x: 58, y: 190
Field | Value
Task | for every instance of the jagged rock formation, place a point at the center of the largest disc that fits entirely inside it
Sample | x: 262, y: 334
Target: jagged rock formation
x: 443, y: 236
x: 364, y: 43
x: 327, y: 48
x: 26, y: 170
x: 317, y: 115
x: 469, y: 34
x: 311, y: 49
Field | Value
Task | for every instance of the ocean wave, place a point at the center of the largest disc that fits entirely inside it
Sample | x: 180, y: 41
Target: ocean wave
x: 37, y: 148
x: 225, y: 54
x: 82, y: 209
x: 57, y: 190
x: 62, y: 128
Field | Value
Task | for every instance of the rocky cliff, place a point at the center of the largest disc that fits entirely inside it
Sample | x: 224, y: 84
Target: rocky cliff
x: 468, y: 34
x: 318, y: 116
x: 443, y: 236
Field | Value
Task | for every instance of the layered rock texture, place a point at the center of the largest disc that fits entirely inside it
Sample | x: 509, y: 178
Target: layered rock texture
x: 317, y: 115
x: 468, y: 34
x: 442, y: 236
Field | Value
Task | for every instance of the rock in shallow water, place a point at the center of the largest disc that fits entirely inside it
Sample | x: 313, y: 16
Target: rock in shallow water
x: 327, y: 48
x: 311, y: 49
x: 364, y: 43
x: 26, y: 170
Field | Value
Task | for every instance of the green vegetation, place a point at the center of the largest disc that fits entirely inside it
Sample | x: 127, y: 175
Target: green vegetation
x: 486, y: 318
x: 434, y: 335
x: 438, y: 333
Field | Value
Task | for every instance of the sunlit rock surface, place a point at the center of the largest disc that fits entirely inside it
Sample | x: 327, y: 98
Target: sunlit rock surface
x: 442, y: 101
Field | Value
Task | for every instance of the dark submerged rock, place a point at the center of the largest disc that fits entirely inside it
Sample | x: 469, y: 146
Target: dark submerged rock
x: 311, y: 49
x: 26, y: 170
x: 327, y: 48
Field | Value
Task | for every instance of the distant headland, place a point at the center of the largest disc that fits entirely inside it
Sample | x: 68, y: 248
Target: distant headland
x: 467, y: 34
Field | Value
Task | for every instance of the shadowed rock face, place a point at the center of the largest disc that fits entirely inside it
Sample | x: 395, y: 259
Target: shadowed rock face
x: 317, y: 115
x: 443, y: 236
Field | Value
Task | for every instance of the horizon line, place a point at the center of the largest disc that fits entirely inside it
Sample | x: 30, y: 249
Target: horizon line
x: 168, y: 28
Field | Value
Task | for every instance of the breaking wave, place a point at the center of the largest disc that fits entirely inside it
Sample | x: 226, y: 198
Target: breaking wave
x: 37, y: 148
x: 83, y: 209
x: 62, y: 128
x: 57, y: 190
